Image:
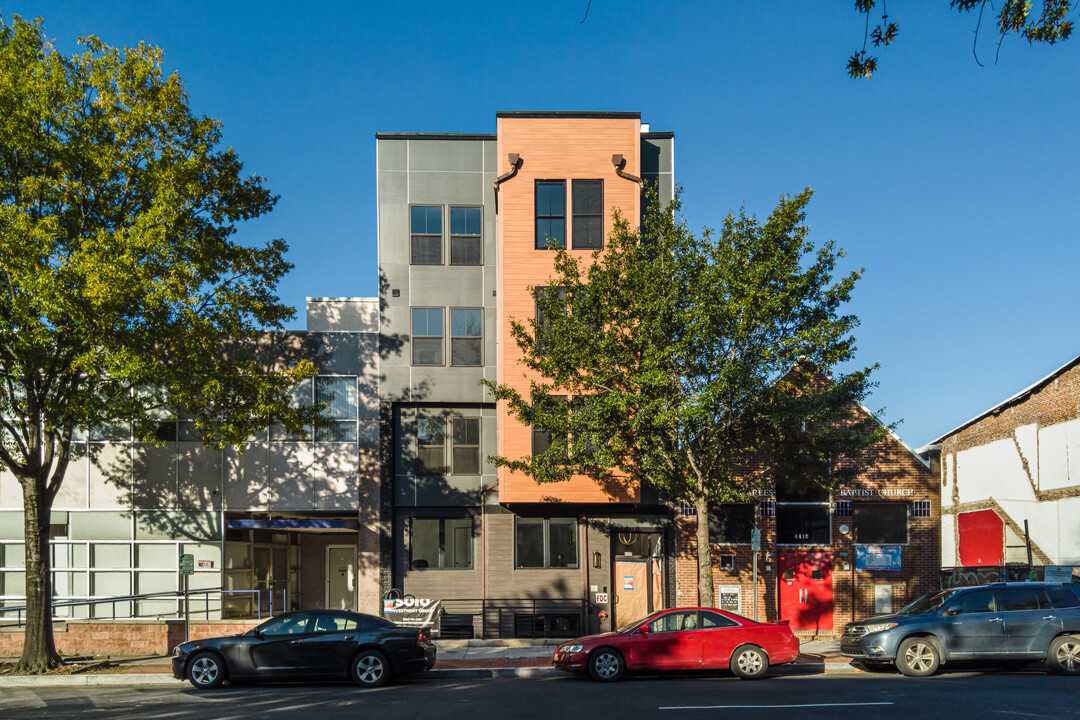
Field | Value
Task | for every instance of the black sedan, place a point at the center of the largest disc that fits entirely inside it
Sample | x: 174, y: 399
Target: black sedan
x: 315, y: 643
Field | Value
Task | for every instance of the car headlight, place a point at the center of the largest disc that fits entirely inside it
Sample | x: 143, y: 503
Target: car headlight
x: 570, y: 648
x: 177, y: 651
x: 878, y: 627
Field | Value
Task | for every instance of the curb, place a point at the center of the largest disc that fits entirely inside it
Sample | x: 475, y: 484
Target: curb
x: 827, y: 668
x: 84, y: 680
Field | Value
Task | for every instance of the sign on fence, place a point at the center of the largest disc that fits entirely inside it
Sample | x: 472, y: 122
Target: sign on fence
x: 187, y: 564
x: 414, y: 612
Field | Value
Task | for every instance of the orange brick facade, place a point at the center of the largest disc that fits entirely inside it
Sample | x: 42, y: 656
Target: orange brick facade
x: 550, y: 148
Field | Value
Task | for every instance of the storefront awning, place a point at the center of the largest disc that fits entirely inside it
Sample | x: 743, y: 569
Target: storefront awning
x: 295, y: 524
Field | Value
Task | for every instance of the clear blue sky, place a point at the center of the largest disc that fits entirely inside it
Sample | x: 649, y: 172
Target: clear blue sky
x: 954, y: 185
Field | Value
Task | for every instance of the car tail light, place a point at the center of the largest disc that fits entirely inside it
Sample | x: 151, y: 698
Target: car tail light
x: 424, y: 635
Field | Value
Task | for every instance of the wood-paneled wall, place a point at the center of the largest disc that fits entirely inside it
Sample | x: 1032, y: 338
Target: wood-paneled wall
x: 562, y: 148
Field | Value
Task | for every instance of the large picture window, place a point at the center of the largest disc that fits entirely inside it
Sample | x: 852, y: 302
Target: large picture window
x: 731, y: 524
x: 545, y: 543
x: 426, y: 227
x: 881, y: 523
x: 550, y: 214
x: 427, y: 336
x: 588, y: 211
x: 803, y: 524
x: 466, y: 336
x: 466, y: 243
x: 441, y: 544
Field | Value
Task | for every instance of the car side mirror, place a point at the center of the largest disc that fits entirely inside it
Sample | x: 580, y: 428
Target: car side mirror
x: 644, y: 629
x: 953, y: 611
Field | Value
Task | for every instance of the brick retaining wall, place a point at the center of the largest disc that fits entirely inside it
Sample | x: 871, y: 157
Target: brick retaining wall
x: 124, y: 638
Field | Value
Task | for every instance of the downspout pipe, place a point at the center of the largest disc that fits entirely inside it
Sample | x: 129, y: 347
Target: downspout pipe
x: 620, y: 162
x: 515, y: 163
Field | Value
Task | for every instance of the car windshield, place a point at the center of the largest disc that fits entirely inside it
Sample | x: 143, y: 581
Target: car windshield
x: 927, y: 603
x: 630, y: 626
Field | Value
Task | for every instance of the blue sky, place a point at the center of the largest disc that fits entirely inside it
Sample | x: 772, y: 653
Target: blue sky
x: 954, y: 185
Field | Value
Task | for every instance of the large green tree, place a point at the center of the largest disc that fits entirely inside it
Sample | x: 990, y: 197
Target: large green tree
x: 699, y: 364
x: 121, y: 289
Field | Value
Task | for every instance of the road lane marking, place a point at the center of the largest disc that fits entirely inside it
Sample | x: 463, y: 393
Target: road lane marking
x: 770, y: 707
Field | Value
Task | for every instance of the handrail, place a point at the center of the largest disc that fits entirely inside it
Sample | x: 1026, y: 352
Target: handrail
x: 179, y: 594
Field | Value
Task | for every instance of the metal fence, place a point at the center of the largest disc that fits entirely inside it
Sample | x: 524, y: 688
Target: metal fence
x: 965, y: 576
x: 491, y: 618
x: 239, y: 604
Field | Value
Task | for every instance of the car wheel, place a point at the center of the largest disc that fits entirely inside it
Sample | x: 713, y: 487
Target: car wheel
x: 206, y: 671
x: 917, y: 657
x: 1064, y: 655
x: 370, y: 669
x: 749, y: 662
x: 606, y: 665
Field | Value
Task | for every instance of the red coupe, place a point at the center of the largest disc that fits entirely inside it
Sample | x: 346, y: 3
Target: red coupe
x: 682, y: 639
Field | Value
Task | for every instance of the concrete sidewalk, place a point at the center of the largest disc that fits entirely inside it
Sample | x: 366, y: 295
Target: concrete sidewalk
x: 457, y: 659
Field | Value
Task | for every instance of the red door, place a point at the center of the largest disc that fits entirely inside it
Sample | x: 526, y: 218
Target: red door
x: 982, y: 538
x: 806, y: 597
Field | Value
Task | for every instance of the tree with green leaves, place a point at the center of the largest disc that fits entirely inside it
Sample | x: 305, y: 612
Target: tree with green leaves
x: 121, y: 290
x: 1013, y: 18
x: 682, y: 361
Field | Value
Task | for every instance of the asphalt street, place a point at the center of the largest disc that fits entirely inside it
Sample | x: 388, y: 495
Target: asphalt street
x: 1000, y: 695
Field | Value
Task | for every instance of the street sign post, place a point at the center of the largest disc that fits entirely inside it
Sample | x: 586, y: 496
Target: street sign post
x: 187, y: 569
x: 755, y: 545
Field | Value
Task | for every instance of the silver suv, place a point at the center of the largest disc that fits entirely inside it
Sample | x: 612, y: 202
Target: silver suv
x: 1003, y: 621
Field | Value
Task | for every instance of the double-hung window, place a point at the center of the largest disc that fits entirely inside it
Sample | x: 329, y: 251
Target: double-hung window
x: 466, y: 449
x: 550, y: 214
x: 466, y: 336
x: 426, y: 228
x: 430, y: 446
x: 542, y: 322
x: 441, y: 544
x: 300, y: 396
x: 588, y: 208
x: 466, y: 244
x: 543, y: 439
x: 339, y: 397
x: 427, y: 336
x: 545, y: 543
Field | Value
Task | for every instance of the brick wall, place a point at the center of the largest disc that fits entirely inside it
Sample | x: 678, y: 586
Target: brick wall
x: 124, y: 639
x: 896, y: 468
